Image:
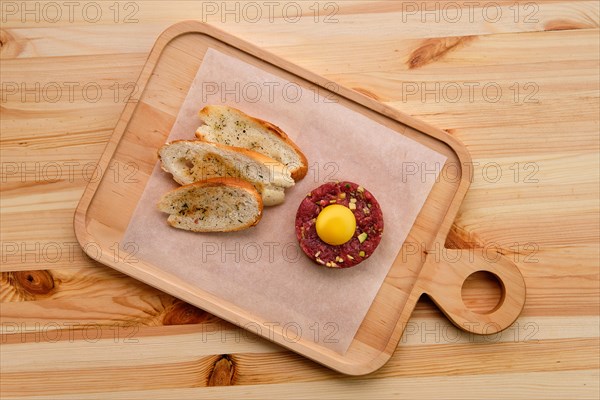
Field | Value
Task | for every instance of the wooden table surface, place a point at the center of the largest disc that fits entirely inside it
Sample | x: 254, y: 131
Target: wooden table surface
x: 516, y: 82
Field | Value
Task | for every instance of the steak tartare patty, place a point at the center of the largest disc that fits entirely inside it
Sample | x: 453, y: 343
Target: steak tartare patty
x: 369, y: 224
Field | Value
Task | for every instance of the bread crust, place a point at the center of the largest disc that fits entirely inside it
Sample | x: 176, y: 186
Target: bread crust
x: 298, y: 173
x: 249, y: 153
x: 216, y: 182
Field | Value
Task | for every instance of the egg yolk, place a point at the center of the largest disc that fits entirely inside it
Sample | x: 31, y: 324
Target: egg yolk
x: 336, y: 224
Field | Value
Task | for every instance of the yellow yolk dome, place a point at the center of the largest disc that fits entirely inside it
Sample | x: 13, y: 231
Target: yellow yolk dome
x: 336, y: 224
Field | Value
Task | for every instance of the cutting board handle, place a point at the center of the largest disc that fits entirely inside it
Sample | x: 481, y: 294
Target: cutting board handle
x: 444, y: 274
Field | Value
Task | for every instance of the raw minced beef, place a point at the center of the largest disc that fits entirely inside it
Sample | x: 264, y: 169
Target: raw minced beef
x: 369, y: 221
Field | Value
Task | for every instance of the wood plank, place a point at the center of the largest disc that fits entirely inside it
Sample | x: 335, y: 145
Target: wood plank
x: 182, y: 323
x: 536, y: 385
x: 282, y: 368
x: 419, y: 19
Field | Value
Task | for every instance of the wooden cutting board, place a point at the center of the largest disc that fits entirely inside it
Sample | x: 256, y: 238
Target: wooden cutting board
x: 108, y: 204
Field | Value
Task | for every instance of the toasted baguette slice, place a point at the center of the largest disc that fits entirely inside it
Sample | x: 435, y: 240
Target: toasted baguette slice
x: 215, y: 205
x: 229, y: 126
x: 194, y: 160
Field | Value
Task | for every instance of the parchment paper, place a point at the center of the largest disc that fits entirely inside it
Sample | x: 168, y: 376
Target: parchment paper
x: 262, y: 269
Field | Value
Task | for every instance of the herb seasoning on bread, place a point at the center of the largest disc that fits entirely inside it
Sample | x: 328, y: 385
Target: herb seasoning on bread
x: 232, y: 127
x: 214, y: 205
x: 194, y: 160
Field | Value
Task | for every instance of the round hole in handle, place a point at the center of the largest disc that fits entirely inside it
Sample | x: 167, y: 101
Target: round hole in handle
x: 482, y: 292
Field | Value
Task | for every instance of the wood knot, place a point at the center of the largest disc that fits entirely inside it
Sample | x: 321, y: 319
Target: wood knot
x: 459, y: 238
x: 434, y: 49
x: 38, y: 282
x: 565, y: 25
x: 366, y: 92
x: 9, y: 46
x: 223, y: 372
x: 181, y: 313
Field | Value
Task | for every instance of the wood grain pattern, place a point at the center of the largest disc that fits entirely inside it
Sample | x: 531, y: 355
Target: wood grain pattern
x: 366, y: 49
